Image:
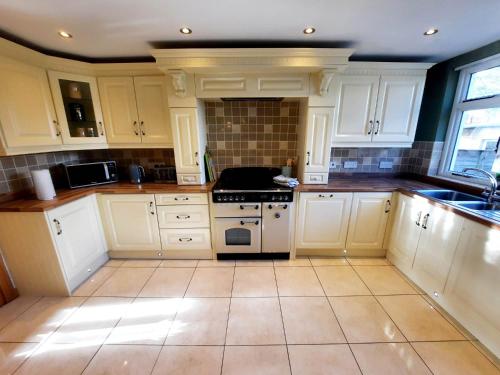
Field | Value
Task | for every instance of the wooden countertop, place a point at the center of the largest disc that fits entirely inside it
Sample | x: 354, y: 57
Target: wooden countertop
x: 31, y: 204
x: 365, y: 184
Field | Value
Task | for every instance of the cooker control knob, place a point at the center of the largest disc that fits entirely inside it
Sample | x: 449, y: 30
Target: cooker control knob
x: 219, y: 199
x: 224, y: 199
x: 242, y: 198
x: 231, y: 198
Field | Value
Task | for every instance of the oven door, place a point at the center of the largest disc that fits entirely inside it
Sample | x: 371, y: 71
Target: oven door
x: 238, y: 235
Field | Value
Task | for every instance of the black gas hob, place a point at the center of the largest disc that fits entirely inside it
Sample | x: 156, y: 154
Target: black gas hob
x: 250, y: 184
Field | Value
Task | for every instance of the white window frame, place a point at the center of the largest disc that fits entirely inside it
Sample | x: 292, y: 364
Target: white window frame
x: 459, y: 106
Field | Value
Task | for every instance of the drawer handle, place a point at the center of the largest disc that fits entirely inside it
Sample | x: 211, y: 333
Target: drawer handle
x: 243, y: 206
x: 387, y: 206
x: 419, y: 216
x: 58, y: 227
x: 256, y: 222
x: 183, y: 217
x: 185, y: 239
x: 181, y: 199
x: 424, y: 222
x: 324, y: 196
x: 152, y: 211
x: 284, y: 206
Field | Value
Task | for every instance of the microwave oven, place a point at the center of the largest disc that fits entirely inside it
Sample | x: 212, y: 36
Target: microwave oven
x: 90, y: 174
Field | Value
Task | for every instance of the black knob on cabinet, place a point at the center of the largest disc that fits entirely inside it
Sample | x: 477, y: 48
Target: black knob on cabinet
x: 277, y: 215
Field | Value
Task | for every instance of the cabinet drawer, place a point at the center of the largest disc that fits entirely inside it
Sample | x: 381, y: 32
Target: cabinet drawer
x: 190, y: 179
x: 316, y: 178
x: 183, y: 216
x: 185, y: 239
x: 176, y: 199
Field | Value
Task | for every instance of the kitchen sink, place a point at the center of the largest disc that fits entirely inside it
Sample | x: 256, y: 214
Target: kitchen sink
x: 479, y: 206
x: 450, y: 195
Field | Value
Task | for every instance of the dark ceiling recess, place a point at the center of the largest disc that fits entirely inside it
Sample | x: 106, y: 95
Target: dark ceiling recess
x: 250, y: 44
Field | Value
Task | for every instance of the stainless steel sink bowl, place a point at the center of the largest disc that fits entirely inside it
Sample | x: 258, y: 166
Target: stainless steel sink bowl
x: 480, y: 206
x: 450, y: 195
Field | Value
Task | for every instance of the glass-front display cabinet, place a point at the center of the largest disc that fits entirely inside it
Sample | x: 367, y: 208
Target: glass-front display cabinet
x: 78, y: 108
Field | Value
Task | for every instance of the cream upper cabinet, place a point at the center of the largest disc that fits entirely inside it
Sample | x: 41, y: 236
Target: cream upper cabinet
x: 119, y: 109
x: 368, y: 221
x: 318, y: 139
x: 78, y: 108
x: 355, y: 98
x: 323, y: 219
x: 77, y: 230
x: 130, y: 221
x: 27, y: 113
x: 152, y: 105
x: 398, y: 107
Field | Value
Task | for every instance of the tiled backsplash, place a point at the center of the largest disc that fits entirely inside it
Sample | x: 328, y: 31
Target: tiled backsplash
x: 252, y: 132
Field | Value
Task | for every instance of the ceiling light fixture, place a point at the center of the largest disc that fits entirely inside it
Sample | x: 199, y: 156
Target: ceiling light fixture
x: 65, y: 34
x: 309, y: 30
x: 431, y: 32
x: 185, y: 30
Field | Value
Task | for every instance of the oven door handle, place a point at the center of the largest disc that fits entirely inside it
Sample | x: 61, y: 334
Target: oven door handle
x: 256, y: 222
x: 243, y: 206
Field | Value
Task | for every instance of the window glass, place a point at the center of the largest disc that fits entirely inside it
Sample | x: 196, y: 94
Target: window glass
x: 484, y: 83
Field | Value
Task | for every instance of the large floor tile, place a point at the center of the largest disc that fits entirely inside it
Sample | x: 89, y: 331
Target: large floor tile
x: 368, y: 261
x: 190, y: 263
x: 125, y: 282
x: 318, y: 261
x: 200, y: 321
x: 254, y: 263
x: 341, y: 281
x: 114, y: 262
x: 216, y: 263
x: 297, y: 262
x: 310, y: 320
x: 12, y: 355
x: 389, y: 359
x: 50, y: 359
x: 253, y: 360
x: 94, y: 282
x: 254, y: 282
x: 383, y: 280
x: 211, y: 282
x: 92, y: 322
x: 417, y: 319
x: 298, y: 281
x: 189, y: 360
x: 322, y: 360
x: 141, y: 263
x: 41, y: 319
x: 146, y: 322
x: 455, y: 358
x: 255, y: 321
x: 13, y: 309
x: 123, y: 360
x: 167, y: 282
x: 363, y: 320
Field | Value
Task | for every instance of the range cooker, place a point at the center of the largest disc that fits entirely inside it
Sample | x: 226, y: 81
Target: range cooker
x: 252, y: 213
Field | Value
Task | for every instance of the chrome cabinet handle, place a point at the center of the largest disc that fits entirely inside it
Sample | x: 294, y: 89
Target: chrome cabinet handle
x: 419, y: 216
x: 424, y: 222
x: 324, y: 196
x: 308, y: 157
x: 182, y: 199
x: 243, y: 206
x: 370, y: 127
x: 185, y: 239
x: 387, y: 206
x: 101, y: 128
x: 134, y: 126
x: 256, y: 222
x: 183, y: 217
x: 58, y: 130
x: 142, y: 128
x: 58, y: 227
x: 284, y: 206
x: 378, y: 127
x: 152, y: 211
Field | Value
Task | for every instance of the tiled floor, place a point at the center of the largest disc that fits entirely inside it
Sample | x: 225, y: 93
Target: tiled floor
x: 306, y: 316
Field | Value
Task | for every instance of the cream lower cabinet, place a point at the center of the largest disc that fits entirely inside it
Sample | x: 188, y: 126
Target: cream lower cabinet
x: 322, y: 224
x: 130, y: 222
x: 367, y: 224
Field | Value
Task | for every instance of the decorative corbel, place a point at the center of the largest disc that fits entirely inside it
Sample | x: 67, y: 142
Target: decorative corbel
x: 325, y: 78
x: 179, y: 82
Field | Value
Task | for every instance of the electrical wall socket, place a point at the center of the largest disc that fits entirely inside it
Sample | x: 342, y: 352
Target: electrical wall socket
x: 332, y: 165
x: 350, y: 164
x: 385, y: 165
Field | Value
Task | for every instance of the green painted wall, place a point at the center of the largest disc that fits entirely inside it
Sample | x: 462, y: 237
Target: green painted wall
x: 439, y: 93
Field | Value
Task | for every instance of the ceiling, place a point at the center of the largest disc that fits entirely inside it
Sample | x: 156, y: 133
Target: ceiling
x: 377, y: 29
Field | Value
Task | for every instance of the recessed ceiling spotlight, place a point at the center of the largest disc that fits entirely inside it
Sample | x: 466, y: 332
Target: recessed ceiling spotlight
x: 185, y: 30
x: 65, y: 34
x: 431, y: 32
x: 309, y: 30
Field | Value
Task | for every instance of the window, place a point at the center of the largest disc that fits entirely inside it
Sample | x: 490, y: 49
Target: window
x: 473, y: 139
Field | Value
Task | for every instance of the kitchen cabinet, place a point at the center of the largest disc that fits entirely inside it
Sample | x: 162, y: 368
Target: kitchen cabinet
x: 322, y: 222
x: 376, y: 110
x: 77, y: 231
x: 130, y: 221
x: 27, y: 114
x: 135, y: 110
x: 367, y: 223
x: 189, y: 145
x: 78, y: 108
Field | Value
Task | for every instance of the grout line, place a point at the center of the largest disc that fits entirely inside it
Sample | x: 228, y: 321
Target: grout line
x: 227, y: 323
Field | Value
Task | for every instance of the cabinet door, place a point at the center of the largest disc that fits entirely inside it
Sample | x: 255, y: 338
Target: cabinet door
x: 406, y: 231
x: 130, y: 221
x: 27, y: 113
x: 323, y: 220
x: 398, y: 107
x: 318, y: 139
x: 77, y: 231
x: 471, y: 293
x: 186, y: 140
x: 152, y: 105
x: 436, y: 248
x: 355, y: 98
x: 368, y: 221
x: 78, y: 108
x: 119, y: 109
